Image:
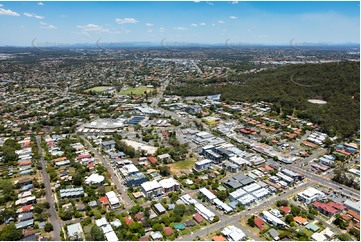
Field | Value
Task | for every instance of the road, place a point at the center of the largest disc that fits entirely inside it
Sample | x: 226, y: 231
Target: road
x: 234, y: 219
x: 333, y: 228
x: 54, y: 219
x: 321, y: 180
x: 114, y: 175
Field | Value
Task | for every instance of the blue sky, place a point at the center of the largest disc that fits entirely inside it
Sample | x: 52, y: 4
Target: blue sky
x: 186, y: 22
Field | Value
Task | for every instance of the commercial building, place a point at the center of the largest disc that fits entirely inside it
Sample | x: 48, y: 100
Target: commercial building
x: 310, y: 195
x: 352, y: 205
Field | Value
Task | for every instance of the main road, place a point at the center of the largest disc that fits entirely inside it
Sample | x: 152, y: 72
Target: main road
x: 234, y: 219
x: 114, y: 175
x: 321, y: 180
x: 54, y: 219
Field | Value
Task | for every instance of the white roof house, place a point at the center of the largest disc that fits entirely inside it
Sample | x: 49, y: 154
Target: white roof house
x: 151, y: 188
x: 208, y: 194
x: 168, y: 183
x: 318, y: 237
x: 188, y: 199
x: 113, y: 199
x: 252, y: 187
x: 204, y: 212
x: 237, y: 194
x: 150, y: 185
x: 233, y: 233
x: 75, y: 231
x: 246, y: 199
x: 270, y: 218
x: 111, y: 236
x: 94, y: 179
x: 101, y: 222
x: 156, y: 235
x: 222, y: 205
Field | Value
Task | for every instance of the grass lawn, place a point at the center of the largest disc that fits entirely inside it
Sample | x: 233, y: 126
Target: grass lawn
x: 108, y: 188
x: 98, y: 89
x: 309, y: 233
x: 182, y: 165
x: 71, y: 171
x: 136, y: 90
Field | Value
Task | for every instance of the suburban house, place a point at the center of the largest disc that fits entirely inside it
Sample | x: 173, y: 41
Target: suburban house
x: 151, y: 189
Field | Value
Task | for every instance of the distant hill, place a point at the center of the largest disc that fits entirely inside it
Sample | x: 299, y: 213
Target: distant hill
x: 289, y: 87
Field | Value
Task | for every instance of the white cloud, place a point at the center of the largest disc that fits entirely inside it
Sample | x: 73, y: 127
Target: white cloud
x: 180, y: 28
x: 150, y: 30
x: 149, y: 24
x: 161, y: 29
x: 210, y: 3
x: 126, y: 21
x: 233, y: 17
x: 8, y: 12
x: 40, y: 4
x: 202, y: 24
x: 196, y: 1
x: 194, y: 25
x: 32, y: 15
x: 221, y: 22
x: 234, y: 2
x: 92, y: 28
x: 47, y: 26
x: 1, y: 5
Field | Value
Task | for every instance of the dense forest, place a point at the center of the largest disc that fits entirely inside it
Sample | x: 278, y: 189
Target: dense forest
x: 289, y: 87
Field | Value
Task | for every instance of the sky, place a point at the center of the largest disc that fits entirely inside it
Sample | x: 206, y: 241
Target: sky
x: 179, y: 23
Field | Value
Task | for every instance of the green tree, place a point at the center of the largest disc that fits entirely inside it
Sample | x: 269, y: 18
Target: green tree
x: 96, y: 233
x: 179, y: 209
x: 295, y: 210
x: 164, y: 170
x: 289, y: 218
x: 9, y: 232
x: 344, y: 237
x: 250, y: 221
x: 48, y: 227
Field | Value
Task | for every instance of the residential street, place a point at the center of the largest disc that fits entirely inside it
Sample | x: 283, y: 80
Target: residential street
x: 54, y: 219
x: 114, y: 175
x: 234, y: 219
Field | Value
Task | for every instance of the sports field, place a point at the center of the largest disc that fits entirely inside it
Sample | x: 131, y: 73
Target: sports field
x: 136, y: 90
x: 97, y: 89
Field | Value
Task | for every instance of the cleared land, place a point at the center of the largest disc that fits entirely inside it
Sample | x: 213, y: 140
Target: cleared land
x: 180, y: 166
x: 98, y: 89
x: 136, y: 90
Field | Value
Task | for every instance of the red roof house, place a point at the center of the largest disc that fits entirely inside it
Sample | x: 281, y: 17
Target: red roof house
x: 128, y: 220
x: 168, y: 230
x: 285, y: 209
x: 152, y: 159
x: 197, y: 217
x: 259, y: 223
x: 104, y: 200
